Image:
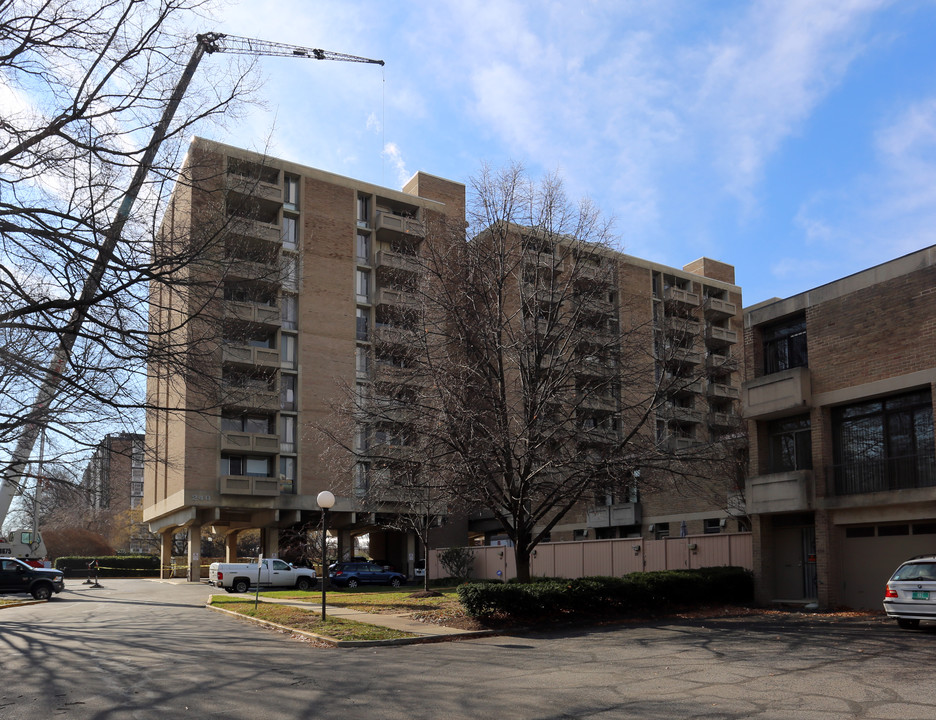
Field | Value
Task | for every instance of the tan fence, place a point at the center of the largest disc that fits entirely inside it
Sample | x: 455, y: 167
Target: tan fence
x: 611, y: 557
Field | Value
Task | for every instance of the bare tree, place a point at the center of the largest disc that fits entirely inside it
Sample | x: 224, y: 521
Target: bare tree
x: 82, y: 84
x: 528, y: 377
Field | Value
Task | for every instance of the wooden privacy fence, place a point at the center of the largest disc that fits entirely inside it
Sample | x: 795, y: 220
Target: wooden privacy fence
x: 610, y: 557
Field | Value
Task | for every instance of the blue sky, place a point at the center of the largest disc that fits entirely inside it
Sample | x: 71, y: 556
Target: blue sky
x: 794, y: 139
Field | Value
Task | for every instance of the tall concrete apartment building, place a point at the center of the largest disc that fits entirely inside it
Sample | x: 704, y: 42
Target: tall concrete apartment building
x: 839, y: 400
x: 319, y: 261
x: 322, y: 269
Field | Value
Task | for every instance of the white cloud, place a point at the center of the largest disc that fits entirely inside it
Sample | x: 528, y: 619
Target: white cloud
x: 392, y: 153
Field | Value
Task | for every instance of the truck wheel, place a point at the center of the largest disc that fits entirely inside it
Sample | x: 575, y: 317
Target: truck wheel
x: 303, y: 584
x: 396, y: 582
x: 352, y: 583
x: 240, y: 586
x: 42, y: 591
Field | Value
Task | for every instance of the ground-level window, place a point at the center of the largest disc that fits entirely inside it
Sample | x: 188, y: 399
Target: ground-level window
x: 789, y: 445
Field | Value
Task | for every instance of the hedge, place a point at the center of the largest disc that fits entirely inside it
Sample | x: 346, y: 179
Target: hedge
x: 110, y: 565
x: 637, y: 593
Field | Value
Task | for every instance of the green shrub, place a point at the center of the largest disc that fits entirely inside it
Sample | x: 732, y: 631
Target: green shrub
x: 457, y: 562
x: 634, y: 594
x: 110, y: 565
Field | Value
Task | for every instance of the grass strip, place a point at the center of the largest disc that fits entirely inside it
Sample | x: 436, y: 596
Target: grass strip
x: 309, y: 621
x: 375, y: 601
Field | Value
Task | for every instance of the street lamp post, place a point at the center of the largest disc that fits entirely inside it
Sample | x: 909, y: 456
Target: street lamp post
x: 325, y: 500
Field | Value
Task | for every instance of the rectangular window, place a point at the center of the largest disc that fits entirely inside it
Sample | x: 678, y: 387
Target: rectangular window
x: 291, y: 192
x: 361, y: 360
x: 288, y: 392
x: 245, y: 465
x: 884, y: 445
x: 288, y: 344
x: 789, y: 445
x: 363, y: 315
x: 287, y: 475
x: 661, y: 530
x: 290, y: 232
x: 711, y: 526
x: 785, y: 345
x: 363, y: 210
x: 360, y: 479
x: 287, y: 433
x: 363, y: 248
x: 289, y: 273
x: 362, y: 286
x: 289, y: 308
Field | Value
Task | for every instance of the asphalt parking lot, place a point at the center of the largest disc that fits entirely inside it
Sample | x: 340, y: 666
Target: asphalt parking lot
x: 145, y: 649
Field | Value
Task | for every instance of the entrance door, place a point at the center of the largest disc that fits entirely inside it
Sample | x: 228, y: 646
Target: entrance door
x: 795, y: 563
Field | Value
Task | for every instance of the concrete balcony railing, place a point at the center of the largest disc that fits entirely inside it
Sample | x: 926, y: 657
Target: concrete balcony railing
x: 394, y: 335
x: 544, y: 261
x: 398, y: 261
x: 674, y: 385
x: 614, y: 515
x: 713, y: 308
x: 720, y: 337
x: 266, y: 272
x: 250, y: 442
x: 782, y: 393
x: 250, y: 399
x: 674, y: 443
x: 723, y: 420
x: 683, y: 297
x: 249, y: 485
x: 680, y: 413
x: 252, y: 187
x: 390, y: 296
x: 676, y: 325
x: 598, y: 402
x: 779, y: 492
x: 252, y: 312
x: 250, y: 356
x: 720, y: 390
x: 255, y: 229
x: 679, y: 354
x: 589, y: 272
x: 396, y: 224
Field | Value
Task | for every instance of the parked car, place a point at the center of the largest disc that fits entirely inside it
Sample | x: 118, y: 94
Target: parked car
x: 352, y: 574
x: 18, y: 577
x: 419, y: 570
x: 910, y: 595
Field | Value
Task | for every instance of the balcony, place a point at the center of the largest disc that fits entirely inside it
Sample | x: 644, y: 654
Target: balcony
x: 250, y: 442
x: 592, y: 366
x: 718, y: 363
x: 589, y: 272
x: 723, y: 420
x: 722, y: 391
x: 267, y: 272
x: 544, y: 261
x: 389, y: 223
x: 399, y: 298
x: 398, y: 261
x: 394, y: 335
x: 674, y: 385
x: 251, y: 187
x: 598, y: 436
x: 594, y: 304
x: 715, y: 309
x: 595, y: 401
x: 681, y: 326
x: 250, y: 356
x: 255, y: 229
x: 782, y: 393
x: 243, y: 398
x: 248, y: 485
x: 680, y: 413
x: 779, y: 492
x: 676, y: 443
x: 682, y: 297
x: 252, y: 312
x: 614, y: 515
x: 720, y: 337
x: 681, y: 355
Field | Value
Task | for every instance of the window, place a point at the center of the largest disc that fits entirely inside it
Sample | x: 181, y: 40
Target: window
x: 362, y: 247
x: 288, y: 347
x: 885, y: 444
x: 362, y: 321
x: 362, y: 286
x: 290, y: 232
x: 290, y: 273
x: 291, y: 192
x: 287, y: 433
x: 363, y: 210
x: 361, y: 360
x: 360, y: 479
x: 288, y: 392
x: 785, y: 345
x: 789, y: 445
x: 661, y: 530
x: 288, y: 475
x: 711, y: 526
x: 245, y: 465
x: 290, y: 312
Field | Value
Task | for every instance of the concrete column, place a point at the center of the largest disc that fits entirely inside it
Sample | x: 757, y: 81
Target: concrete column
x: 345, y: 544
x: 230, y: 547
x: 269, y: 542
x: 194, y: 553
x: 410, y: 554
x: 165, y: 554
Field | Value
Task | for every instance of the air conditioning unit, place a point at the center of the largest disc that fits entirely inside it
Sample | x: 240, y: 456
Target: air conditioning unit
x: 651, y: 528
x: 722, y: 522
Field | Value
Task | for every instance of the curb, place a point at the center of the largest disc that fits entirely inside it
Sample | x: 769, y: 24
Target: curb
x: 20, y: 603
x: 334, y: 642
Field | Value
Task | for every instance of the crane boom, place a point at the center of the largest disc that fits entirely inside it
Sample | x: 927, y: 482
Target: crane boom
x: 38, y: 413
x: 235, y: 45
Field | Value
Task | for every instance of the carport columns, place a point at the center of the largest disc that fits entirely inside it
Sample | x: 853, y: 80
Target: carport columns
x: 165, y: 554
x: 194, y: 553
x: 325, y: 501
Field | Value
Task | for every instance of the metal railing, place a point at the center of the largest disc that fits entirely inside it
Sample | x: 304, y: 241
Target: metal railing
x: 884, y: 474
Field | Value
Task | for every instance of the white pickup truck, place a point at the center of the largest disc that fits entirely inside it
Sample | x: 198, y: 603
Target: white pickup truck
x: 240, y: 577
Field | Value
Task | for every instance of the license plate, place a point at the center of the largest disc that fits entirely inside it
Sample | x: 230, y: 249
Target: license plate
x: 920, y: 595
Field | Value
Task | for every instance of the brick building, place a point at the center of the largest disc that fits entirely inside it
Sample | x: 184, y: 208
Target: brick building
x: 839, y: 398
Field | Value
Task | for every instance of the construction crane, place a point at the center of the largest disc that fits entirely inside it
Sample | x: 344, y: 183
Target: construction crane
x: 38, y: 414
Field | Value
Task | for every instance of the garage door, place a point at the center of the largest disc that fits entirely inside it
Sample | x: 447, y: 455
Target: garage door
x: 871, y: 553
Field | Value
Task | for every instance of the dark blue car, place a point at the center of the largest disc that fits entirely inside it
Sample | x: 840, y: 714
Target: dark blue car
x: 352, y: 574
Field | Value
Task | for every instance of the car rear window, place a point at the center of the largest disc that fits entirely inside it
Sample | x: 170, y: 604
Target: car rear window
x: 916, y: 571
